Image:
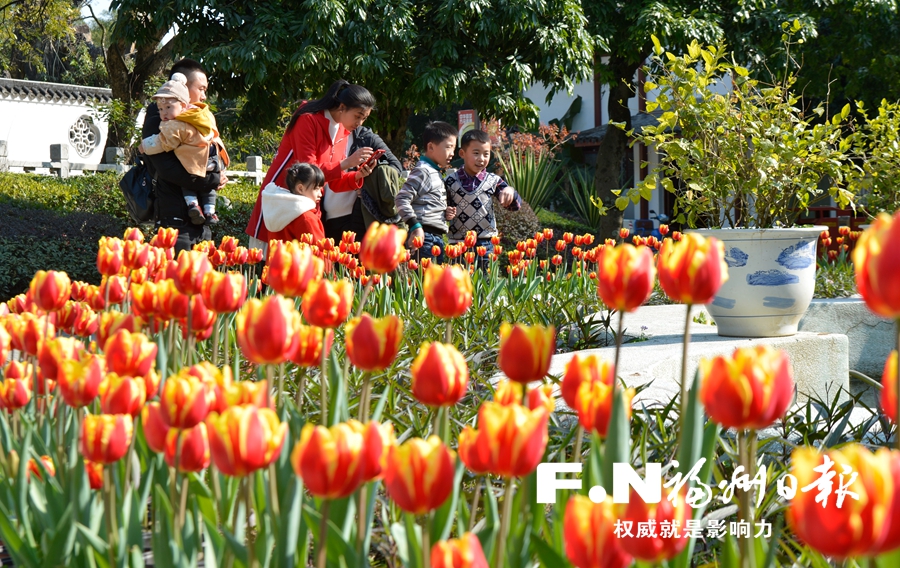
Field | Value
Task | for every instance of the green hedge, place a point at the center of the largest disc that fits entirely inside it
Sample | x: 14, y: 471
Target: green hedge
x: 49, y: 223
x: 46, y: 222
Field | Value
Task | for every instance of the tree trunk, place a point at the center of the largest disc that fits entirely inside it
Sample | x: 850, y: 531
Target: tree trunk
x: 614, y: 145
x: 128, y: 85
x: 393, y: 130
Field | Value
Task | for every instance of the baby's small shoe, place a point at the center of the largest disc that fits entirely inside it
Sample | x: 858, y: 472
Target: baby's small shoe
x: 196, y: 214
x: 212, y: 219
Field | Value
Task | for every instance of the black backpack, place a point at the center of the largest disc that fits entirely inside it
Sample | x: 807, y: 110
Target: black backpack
x: 140, y: 193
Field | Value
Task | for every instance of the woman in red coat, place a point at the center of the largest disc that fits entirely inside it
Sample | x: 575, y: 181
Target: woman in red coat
x: 318, y: 134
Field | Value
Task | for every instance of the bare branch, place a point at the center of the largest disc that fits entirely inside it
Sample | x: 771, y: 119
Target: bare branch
x: 102, y: 28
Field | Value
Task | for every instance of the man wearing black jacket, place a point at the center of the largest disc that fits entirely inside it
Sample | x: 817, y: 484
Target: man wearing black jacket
x: 171, y: 177
x: 381, y: 186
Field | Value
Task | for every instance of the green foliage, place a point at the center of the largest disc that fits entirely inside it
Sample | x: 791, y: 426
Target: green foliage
x: 26, y: 27
x: 877, y: 143
x: 48, y: 222
x: 516, y: 226
x: 835, y: 279
x: 748, y: 158
x: 561, y: 223
x: 583, y: 197
x: 847, y: 50
x: 410, y: 54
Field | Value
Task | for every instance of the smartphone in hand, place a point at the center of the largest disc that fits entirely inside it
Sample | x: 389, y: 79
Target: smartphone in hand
x: 373, y: 159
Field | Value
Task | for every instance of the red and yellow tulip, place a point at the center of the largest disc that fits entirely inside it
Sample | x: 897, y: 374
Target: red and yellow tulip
x: 110, y: 256
x: 448, y: 290
x: 191, y: 269
x: 594, y: 404
x: 14, y: 393
x: 750, y: 389
x: 462, y: 552
x: 672, y: 510
x: 192, y: 447
x: 590, y: 532
x: 439, y: 374
x: 50, y: 290
x: 154, y: 427
x: 330, y: 460
x: 509, y: 393
x: 889, y: 390
x: 419, y: 474
x: 309, y: 345
x: 853, y: 527
x: 292, y: 266
x: 121, y: 394
x: 244, y: 439
x: 55, y: 352
x: 877, y: 262
x: 185, y: 400
x: 224, y: 293
x: 371, y: 343
x: 581, y: 369
x: 509, y: 442
x: 327, y: 303
x: 382, y: 248
x: 625, y: 276
x: 79, y: 379
x: 105, y: 437
x: 525, y: 351
x: 267, y: 329
x: 692, y: 270
x: 130, y: 353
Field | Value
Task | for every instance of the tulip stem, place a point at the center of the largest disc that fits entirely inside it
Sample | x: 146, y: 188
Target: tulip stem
x: 426, y: 540
x: 684, y: 385
x: 254, y: 562
x: 174, y: 486
x: 128, y: 458
x: 618, y: 342
x: 273, y: 489
x: 579, y: 440
x: 448, y: 332
x: 111, y: 523
x: 187, y: 339
x: 215, y: 345
x: 321, y: 549
x: 301, y: 385
x: 281, y: 375
x: 182, y: 504
x: 362, y: 515
x: 475, y: 497
x: 745, y: 499
x: 500, y: 560
x: 323, y: 381
x: 365, y: 296
x: 43, y: 388
x: 270, y: 381
x: 364, y: 398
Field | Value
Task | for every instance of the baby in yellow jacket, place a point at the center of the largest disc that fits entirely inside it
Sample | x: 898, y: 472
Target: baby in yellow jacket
x: 188, y: 129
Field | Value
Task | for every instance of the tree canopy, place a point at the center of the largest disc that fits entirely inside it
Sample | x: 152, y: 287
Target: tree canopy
x: 411, y: 55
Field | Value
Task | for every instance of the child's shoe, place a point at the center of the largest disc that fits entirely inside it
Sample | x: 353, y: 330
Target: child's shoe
x: 196, y: 214
x: 212, y: 219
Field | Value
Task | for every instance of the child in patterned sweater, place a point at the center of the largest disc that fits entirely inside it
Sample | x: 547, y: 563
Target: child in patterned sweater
x: 471, y: 188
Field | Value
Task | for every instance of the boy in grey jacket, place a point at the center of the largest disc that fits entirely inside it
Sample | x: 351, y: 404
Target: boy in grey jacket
x: 422, y: 201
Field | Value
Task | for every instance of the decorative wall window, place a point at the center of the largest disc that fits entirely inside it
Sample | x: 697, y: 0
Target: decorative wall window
x: 84, y: 136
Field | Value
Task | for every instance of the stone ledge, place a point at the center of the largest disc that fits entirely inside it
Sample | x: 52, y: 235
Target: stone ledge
x: 820, y: 360
x: 871, y: 337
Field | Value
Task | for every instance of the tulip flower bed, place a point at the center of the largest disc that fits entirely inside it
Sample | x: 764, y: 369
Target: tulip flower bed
x: 316, y: 412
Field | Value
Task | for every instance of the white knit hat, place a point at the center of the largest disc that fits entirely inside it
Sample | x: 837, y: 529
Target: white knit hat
x: 174, y: 88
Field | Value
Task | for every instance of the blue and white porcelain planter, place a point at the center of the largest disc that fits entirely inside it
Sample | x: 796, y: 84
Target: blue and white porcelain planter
x: 771, y: 280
